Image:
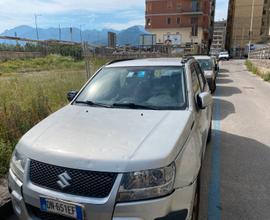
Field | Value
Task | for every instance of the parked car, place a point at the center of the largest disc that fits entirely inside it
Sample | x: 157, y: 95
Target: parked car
x: 209, y: 68
x: 224, y: 55
x: 216, y: 64
x: 129, y: 146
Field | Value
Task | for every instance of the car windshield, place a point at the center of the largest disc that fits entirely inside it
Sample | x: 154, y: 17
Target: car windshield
x: 206, y: 64
x: 161, y: 88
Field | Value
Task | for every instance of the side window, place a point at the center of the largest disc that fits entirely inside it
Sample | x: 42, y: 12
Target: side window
x: 195, y: 80
x: 201, y: 77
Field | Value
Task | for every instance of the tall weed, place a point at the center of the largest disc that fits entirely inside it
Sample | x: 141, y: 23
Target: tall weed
x: 26, y: 99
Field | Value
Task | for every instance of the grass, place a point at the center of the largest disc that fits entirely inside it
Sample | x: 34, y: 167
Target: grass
x: 51, y: 62
x: 26, y: 99
x: 255, y: 70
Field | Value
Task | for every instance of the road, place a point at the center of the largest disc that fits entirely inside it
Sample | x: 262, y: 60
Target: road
x: 235, y: 177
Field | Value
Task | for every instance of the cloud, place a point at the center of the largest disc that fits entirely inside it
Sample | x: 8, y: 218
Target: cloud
x: 68, y: 12
x: 123, y: 25
x: 221, y: 9
x: 92, y: 14
x: 64, y: 6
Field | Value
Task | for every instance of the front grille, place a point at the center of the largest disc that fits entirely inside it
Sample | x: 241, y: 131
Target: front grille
x: 82, y: 183
x: 36, y: 212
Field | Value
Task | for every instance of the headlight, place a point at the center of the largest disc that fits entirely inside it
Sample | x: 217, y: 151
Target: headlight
x: 147, y: 184
x: 17, y: 165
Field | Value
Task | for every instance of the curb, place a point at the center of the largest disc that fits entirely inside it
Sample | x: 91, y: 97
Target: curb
x: 6, y: 210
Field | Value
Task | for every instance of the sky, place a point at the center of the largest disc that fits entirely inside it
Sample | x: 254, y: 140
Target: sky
x: 89, y: 14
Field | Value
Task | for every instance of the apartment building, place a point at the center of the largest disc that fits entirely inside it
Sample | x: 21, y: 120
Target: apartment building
x: 219, y: 37
x: 181, y: 22
x: 244, y: 15
x: 265, y: 28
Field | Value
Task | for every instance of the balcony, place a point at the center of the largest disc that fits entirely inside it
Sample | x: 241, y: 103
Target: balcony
x: 175, y: 12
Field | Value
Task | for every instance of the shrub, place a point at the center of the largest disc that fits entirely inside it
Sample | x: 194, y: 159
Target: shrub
x: 266, y: 76
x: 249, y: 65
x: 5, y: 154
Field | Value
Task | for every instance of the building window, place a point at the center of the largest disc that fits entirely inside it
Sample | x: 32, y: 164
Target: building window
x: 169, y: 21
x: 179, y: 6
x: 169, y: 4
x: 148, y: 22
x: 178, y: 20
x: 194, y: 25
x: 195, y: 5
x: 149, y: 7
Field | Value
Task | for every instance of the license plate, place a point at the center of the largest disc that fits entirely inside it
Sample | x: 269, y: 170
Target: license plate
x: 60, y: 207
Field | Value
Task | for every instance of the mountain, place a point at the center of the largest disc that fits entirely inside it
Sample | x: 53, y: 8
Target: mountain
x: 98, y: 37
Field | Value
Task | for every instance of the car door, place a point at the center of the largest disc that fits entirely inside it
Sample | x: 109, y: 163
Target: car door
x: 199, y: 85
x: 206, y: 114
x: 199, y: 130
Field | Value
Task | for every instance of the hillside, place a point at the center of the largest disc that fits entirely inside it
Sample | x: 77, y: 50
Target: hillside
x: 99, y: 37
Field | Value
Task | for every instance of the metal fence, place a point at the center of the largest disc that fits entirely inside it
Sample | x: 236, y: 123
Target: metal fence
x: 6, y: 55
x: 261, y: 54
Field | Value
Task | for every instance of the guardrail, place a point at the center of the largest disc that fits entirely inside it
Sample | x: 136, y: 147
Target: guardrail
x: 261, y: 54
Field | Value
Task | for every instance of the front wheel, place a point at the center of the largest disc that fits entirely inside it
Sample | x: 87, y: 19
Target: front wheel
x: 214, y: 87
x: 196, y: 204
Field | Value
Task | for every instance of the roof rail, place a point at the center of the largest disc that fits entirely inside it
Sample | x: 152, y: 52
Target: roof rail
x: 186, y: 59
x: 119, y: 60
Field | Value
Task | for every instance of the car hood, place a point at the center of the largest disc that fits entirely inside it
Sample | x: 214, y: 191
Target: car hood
x: 112, y: 140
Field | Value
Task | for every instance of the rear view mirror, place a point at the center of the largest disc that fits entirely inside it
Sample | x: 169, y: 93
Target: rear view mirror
x: 204, y: 100
x: 71, y: 95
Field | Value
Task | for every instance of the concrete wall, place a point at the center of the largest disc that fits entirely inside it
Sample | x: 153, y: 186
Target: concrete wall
x: 9, y: 55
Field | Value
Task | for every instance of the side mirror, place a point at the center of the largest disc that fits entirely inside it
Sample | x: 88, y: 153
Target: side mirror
x: 71, y: 95
x: 204, y: 100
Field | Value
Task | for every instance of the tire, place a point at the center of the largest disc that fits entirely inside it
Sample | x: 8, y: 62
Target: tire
x: 209, y: 136
x: 196, y: 205
x: 213, y: 87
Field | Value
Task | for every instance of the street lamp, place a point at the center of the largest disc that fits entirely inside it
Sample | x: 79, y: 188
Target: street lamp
x: 251, y: 27
x: 36, y: 16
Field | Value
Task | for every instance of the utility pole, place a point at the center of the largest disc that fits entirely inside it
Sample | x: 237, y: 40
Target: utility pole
x: 36, y: 16
x: 235, y: 44
x: 242, y: 46
x: 60, y: 32
x: 251, y: 27
x: 71, y: 30
x: 81, y: 35
x: 16, y: 37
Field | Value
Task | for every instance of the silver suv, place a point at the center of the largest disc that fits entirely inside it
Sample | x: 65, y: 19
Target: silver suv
x: 129, y: 146
x: 209, y: 67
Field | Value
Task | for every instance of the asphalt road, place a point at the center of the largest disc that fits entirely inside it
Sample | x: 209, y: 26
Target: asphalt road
x: 235, y: 180
x: 236, y: 177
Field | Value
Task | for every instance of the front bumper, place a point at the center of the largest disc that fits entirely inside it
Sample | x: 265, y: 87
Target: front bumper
x: 175, y: 206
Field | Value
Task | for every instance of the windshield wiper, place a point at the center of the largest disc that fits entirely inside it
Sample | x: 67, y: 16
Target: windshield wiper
x: 134, y: 106
x: 91, y: 103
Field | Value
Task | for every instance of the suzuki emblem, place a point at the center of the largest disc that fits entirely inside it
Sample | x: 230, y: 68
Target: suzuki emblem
x: 63, y: 181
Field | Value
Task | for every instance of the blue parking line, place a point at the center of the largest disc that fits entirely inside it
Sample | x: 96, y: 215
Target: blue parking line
x: 214, y: 206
